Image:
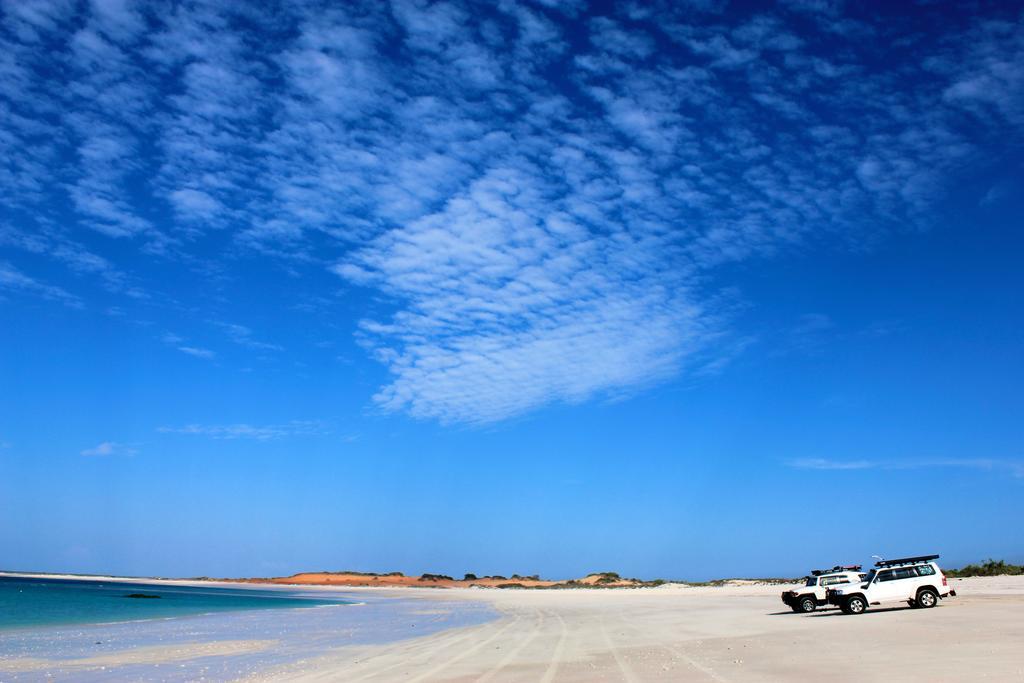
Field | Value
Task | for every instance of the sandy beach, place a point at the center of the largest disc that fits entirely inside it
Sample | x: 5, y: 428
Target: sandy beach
x: 675, y: 632
x: 679, y: 633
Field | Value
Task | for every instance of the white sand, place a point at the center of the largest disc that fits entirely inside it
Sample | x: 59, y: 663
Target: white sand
x: 676, y: 633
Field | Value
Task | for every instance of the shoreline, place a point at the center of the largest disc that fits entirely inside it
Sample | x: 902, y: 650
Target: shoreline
x: 126, y: 579
x: 738, y: 632
x: 412, y: 582
x: 229, y: 644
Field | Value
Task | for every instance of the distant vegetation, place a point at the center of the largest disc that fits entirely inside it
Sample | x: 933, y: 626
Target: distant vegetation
x: 436, y: 577
x: 987, y: 568
x: 355, y: 573
x: 772, y: 581
x: 607, y: 577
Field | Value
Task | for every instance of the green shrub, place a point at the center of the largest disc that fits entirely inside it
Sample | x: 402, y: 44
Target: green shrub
x: 988, y: 568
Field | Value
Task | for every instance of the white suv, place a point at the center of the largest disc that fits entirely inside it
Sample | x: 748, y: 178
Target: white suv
x: 917, y: 581
x: 812, y: 594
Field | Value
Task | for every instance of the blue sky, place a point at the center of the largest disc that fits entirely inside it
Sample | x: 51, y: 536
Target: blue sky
x: 684, y: 289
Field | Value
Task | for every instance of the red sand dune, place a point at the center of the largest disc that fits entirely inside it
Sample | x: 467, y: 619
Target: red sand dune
x: 395, y: 580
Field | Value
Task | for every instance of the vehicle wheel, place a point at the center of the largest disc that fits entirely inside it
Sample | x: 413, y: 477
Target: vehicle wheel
x: 856, y: 605
x: 808, y: 604
x: 926, y: 597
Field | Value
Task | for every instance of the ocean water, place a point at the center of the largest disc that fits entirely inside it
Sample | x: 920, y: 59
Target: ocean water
x: 35, y: 602
x: 87, y: 634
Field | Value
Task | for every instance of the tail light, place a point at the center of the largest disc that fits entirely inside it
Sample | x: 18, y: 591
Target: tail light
x: 944, y: 580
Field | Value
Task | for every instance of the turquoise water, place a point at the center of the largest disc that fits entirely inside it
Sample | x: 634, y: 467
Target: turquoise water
x: 35, y: 602
x: 76, y: 630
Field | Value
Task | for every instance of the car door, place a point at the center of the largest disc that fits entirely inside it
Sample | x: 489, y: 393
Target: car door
x: 895, y: 585
x: 823, y: 585
x: 884, y: 588
x: 905, y: 583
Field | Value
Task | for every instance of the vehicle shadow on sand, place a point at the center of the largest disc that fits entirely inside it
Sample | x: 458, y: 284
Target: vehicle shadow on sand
x: 791, y: 613
x: 874, y: 610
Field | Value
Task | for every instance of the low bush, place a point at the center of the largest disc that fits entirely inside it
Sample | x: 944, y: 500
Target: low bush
x: 988, y: 568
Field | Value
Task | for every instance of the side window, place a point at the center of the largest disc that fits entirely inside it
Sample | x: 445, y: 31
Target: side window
x: 904, y: 573
x: 828, y: 581
x: 842, y: 579
x: 885, y: 575
x: 925, y: 570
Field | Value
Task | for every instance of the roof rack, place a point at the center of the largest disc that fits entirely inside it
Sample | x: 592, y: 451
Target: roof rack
x: 906, y: 560
x: 837, y: 568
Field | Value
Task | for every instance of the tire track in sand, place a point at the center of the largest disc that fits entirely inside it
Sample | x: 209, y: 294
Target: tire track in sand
x: 507, y: 659
x: 465, y: 653
x: 627, y: 672
x: 556, y: 656
x: 429, y: 647
x: 710, y: 673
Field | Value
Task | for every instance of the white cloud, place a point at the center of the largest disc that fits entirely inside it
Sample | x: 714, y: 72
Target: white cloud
x: 242, y: 335
x: 195, y: 204
x: 509, y: 307
x: 823, y: 464
x: 197, y: 352
x: 248, y: 431
x: 535, y: 219
x: 119, y: 19
x: 12, y: 279
x: 1015, y: 468
x: 107, y: 448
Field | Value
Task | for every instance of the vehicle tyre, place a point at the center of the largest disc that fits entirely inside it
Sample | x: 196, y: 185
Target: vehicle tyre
x: 807, y: 604
x: 855, y: 604
x: 927, y: 597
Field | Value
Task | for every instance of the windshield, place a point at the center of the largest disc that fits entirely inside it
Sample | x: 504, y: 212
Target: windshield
x: 871, y: 576
x: 812, y: 581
